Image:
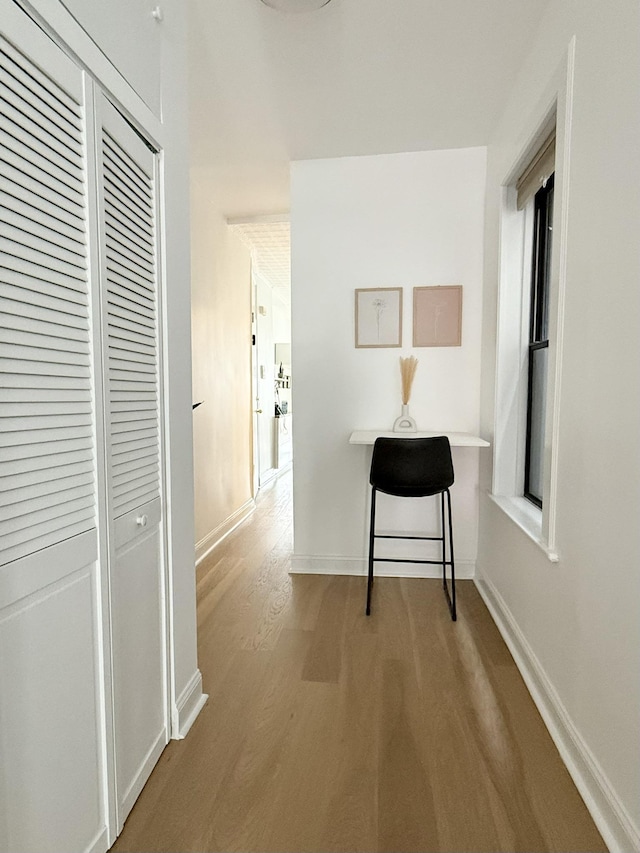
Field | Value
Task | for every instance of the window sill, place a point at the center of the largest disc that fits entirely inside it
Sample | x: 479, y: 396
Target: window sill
x: 528, y: 518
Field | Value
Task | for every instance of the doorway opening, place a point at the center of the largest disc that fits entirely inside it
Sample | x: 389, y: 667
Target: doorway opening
x: 268, y: 238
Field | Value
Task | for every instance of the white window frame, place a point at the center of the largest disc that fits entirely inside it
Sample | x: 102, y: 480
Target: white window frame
x: 514, y: 289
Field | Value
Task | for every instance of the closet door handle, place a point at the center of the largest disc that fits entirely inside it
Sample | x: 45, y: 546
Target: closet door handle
x: 141, y: 520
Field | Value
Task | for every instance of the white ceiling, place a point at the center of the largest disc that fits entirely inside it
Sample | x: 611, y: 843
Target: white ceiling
x: 355, y: 77
x: 269, y: 240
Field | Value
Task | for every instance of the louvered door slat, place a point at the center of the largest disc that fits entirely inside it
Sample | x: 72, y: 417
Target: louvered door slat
x: 122, y: 186
x: 45, y: 448
x: 132, y: 333
x: 22, y: 497
x: 42, y: 282
x: 28, y: 114
x: 43, y: 271
x: 130, y: 291
x: 138, y: 408
x: 58, y: 459
x: 130, y: 250
x: 24, y: 346
x: 41, y: 156
x: 126, y: 307
x: 63, y: 205
x: 128, y: 283
x: 124, y: 221
x: 47, y: 532
x: 127, y: 203
x: 49, y: 296
x: 36, y: 436
x: 46, y: 329
x: 33, y: 205
x: 132, y: 480
x: 41, y: 502
x: 41, y: 368
x: 137, y: 453
x: 134, y: 438
x: 15, y: 124
x: 127, y: 267
x: 119, y: 162
x: 44, y: 422
x: 47, y: 462
x: 45, y: 256
x: 19, y: 211
x: 41, y: 85
x: 129, y: 274
x: 52, y: 243
x: 26, y: 470
x: 123, y: 224
x: 47, y: 315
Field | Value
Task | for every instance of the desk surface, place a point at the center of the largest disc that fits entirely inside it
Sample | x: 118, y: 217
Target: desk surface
x: 456, y: 439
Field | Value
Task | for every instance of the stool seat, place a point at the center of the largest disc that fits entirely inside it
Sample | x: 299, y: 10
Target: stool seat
x: 413, y: 468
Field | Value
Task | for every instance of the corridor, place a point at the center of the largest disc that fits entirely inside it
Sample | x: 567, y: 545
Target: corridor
x: 328, y: 731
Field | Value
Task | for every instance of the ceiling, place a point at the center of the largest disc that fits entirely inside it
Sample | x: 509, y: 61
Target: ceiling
x: 354, y: 77
x: 268, y: 238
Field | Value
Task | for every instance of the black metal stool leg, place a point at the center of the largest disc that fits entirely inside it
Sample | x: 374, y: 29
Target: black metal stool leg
x: 442, y: 543
x: 372, y: 530
x: 451, y: 598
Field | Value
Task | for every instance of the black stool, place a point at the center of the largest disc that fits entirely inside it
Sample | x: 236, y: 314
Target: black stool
x: 413, y: 468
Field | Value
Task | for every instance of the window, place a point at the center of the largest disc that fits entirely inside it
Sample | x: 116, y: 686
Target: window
x: 529, y: 342
x: 538, y: 343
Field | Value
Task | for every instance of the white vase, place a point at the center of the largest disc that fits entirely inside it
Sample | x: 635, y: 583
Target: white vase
x: 405, y: 423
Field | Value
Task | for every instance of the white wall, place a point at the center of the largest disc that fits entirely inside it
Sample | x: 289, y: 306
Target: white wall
x: 221, y: 324
x: 265, y: 358
x: 576, y: 624
x: 383, y: 221
x: 281, y: 322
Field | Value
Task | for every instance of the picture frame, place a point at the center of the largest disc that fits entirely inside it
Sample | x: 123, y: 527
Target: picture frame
x: 378, y: 317
x: 437, y: 316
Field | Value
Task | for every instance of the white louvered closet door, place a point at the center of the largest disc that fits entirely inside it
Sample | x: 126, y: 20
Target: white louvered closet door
x: 51, y: 784
x: 130, y: 330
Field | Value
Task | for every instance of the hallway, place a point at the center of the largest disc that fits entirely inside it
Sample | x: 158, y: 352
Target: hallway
x: 328, y: 731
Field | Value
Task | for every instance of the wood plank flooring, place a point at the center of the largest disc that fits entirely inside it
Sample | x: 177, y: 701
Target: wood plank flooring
x: 330, y: 731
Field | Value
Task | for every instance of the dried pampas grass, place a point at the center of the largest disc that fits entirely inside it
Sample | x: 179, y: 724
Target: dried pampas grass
x: 407, y: 371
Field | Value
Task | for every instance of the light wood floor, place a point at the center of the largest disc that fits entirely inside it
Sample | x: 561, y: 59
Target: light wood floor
x: 328, y: 731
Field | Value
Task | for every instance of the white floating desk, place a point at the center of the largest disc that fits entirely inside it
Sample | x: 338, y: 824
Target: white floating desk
x: 456, y: 439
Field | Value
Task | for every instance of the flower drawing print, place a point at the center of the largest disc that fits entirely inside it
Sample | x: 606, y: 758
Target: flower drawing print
x: 378, y: 305
x: 378, y: 316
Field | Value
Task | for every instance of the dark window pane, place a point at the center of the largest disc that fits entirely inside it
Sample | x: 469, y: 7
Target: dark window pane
x: 538, y: 392
x: 544, y: 295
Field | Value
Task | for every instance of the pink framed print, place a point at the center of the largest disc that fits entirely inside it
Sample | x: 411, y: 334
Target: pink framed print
x: 437, y: 316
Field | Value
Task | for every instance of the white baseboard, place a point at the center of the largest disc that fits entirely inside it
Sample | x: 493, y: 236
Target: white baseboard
x: 206, y: 545
x: 609, y: 814
x: 188, y: 705
x: 313, y: 565
x: 141, y: 777
x: 100, y: 843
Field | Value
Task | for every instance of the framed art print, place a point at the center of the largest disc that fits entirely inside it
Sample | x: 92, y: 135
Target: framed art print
x: 437, y: 316
x: 378, y: 317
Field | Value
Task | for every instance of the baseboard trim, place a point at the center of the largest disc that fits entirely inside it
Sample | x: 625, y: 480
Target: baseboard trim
x: 141, y: 777
x: 314, y: 565
x: 188, y: 705
x: 206, y: 545
x: 100, y: 843
x: 609, y: 814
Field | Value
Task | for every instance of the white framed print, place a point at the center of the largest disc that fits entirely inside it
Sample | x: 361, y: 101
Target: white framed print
x: 378, y: 317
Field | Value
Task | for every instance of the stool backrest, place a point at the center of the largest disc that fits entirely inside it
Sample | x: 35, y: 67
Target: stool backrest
x: 412, y: 467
